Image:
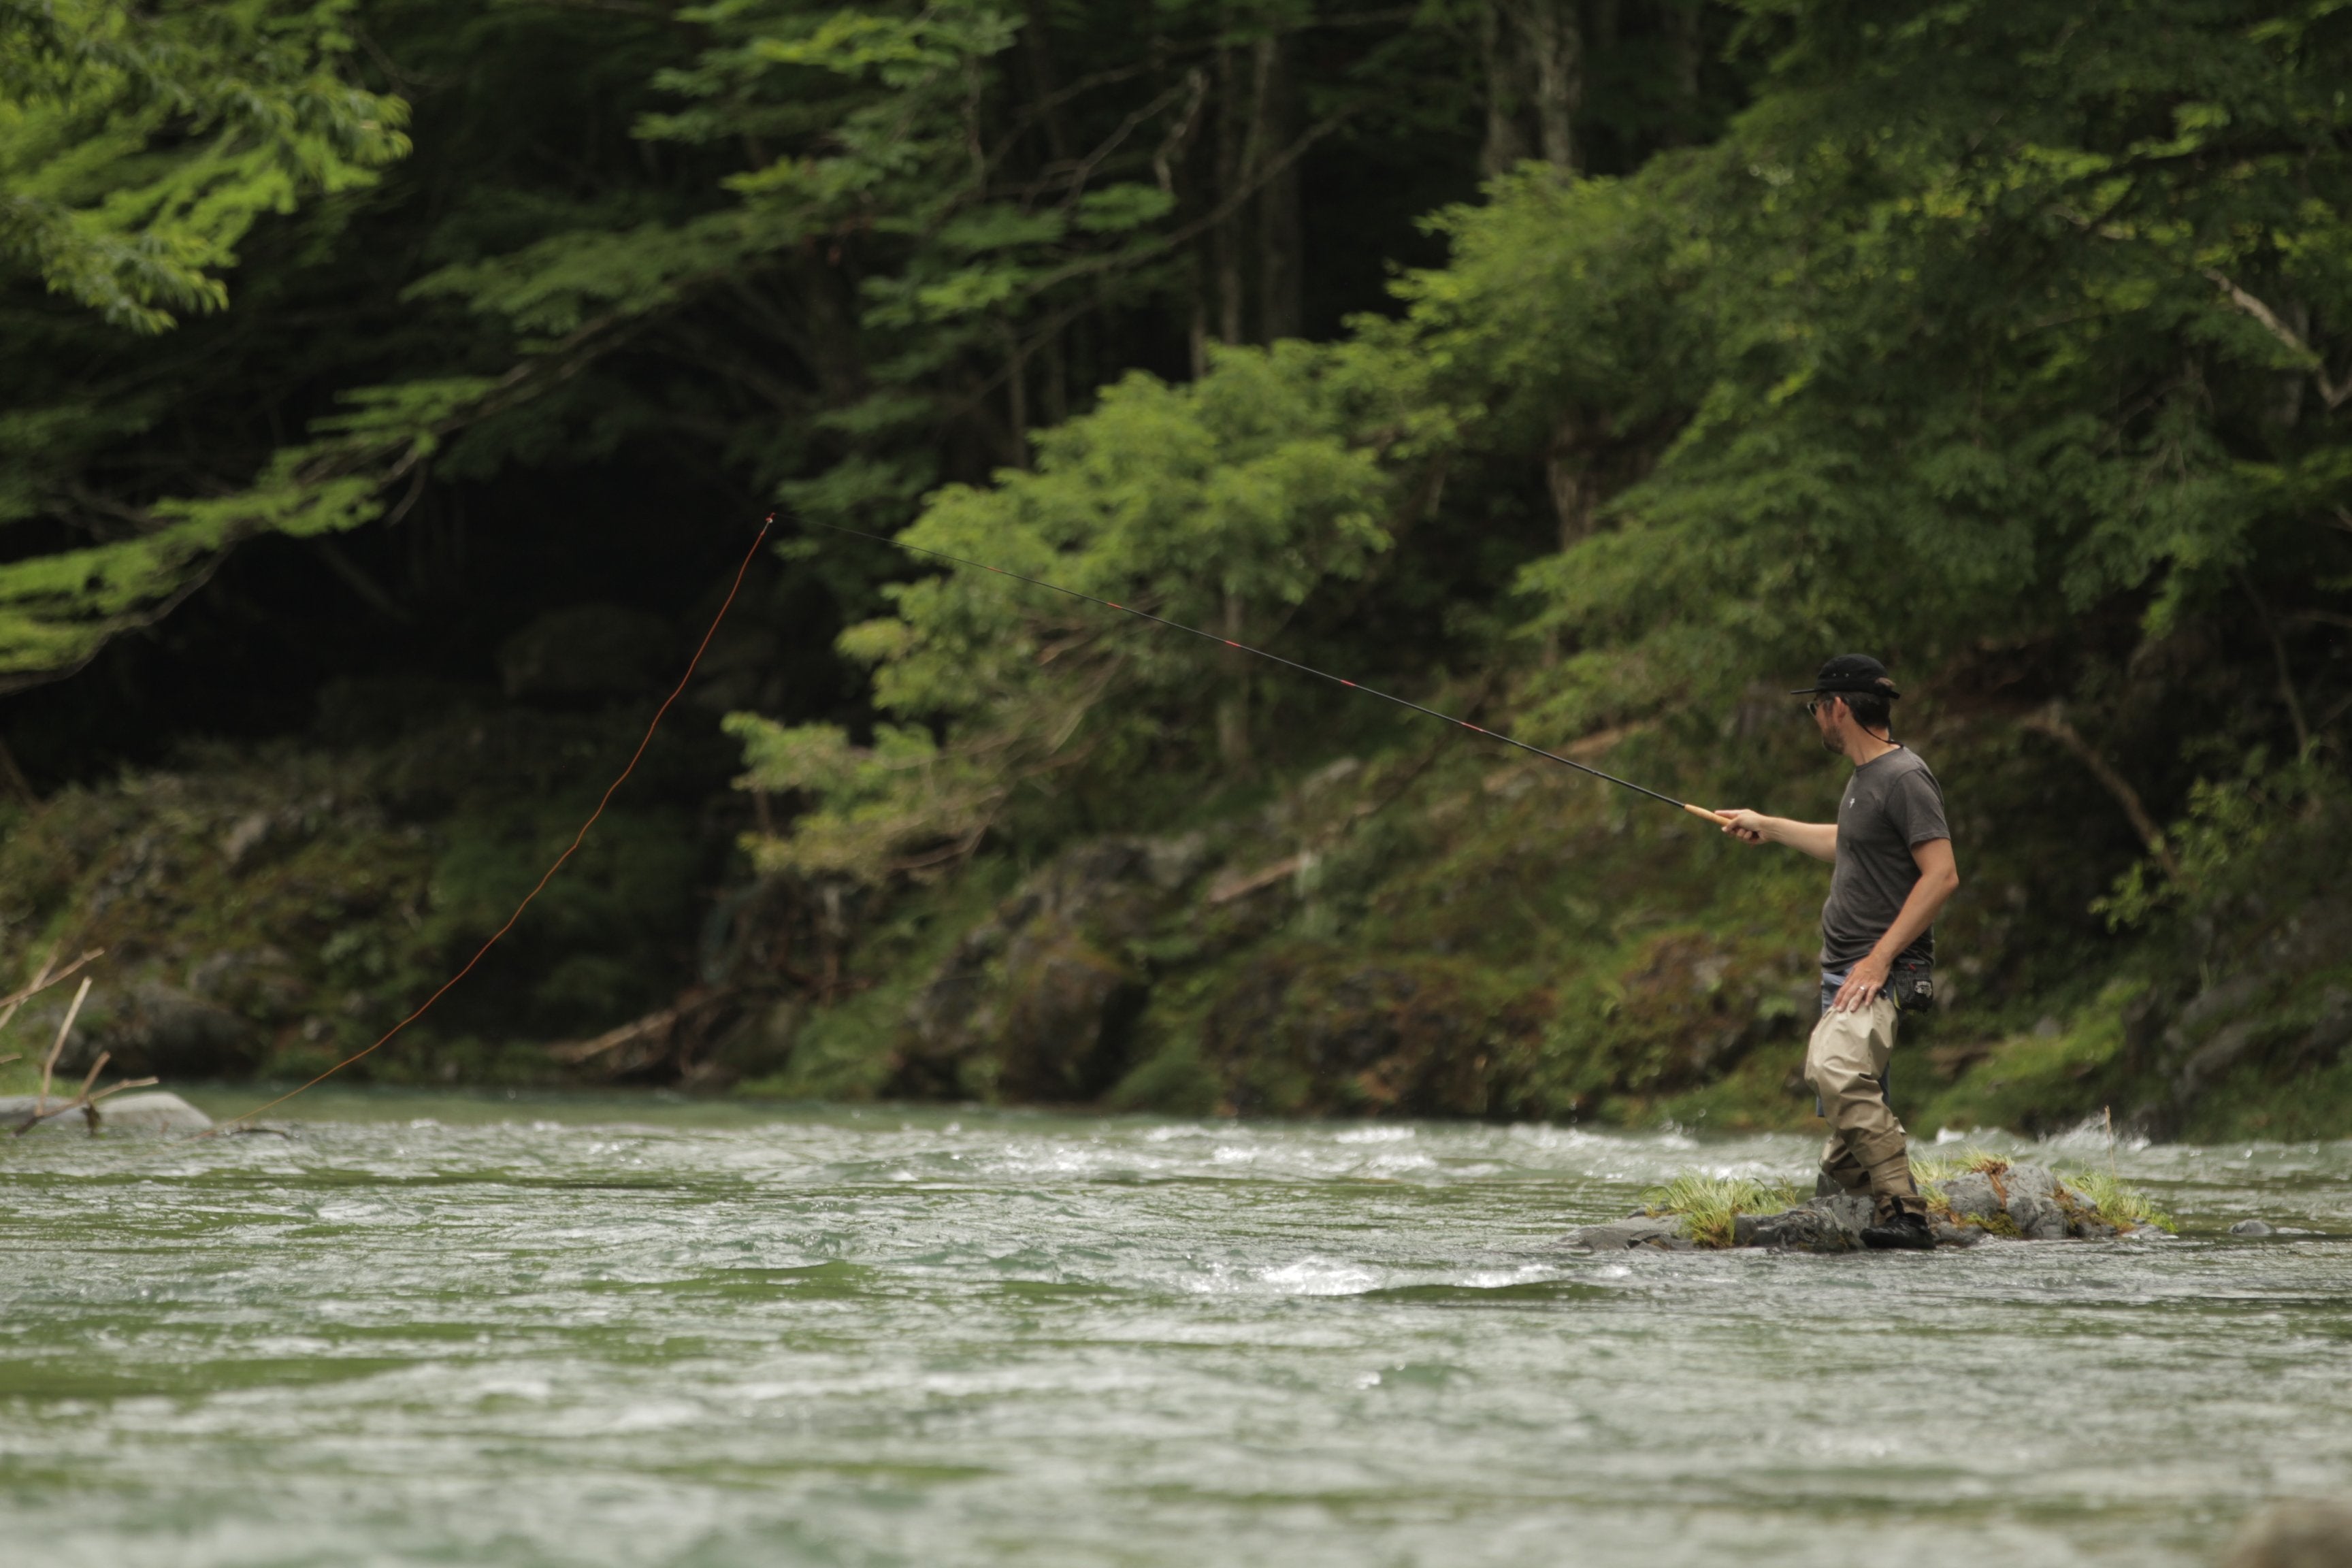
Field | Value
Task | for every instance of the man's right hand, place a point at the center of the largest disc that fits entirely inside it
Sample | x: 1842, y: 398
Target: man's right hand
x: 1742, y: 824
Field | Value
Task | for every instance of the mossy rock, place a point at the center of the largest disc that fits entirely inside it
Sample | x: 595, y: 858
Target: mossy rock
x: 1308, y: 1029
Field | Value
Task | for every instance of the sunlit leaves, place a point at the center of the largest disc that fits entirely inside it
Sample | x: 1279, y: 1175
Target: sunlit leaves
x: 138, y: 144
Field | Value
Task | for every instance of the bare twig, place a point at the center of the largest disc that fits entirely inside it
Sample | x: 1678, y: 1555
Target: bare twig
x: 50, y: 1062
x: 90, y: 1077
x: 43, y: 980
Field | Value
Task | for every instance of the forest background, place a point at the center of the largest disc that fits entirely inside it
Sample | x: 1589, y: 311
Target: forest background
x: 391, y: 388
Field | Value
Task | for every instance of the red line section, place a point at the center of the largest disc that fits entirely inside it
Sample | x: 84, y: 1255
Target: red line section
x: 573, y: 848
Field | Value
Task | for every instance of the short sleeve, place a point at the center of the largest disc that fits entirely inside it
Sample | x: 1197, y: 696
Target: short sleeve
x: 1916, y: 807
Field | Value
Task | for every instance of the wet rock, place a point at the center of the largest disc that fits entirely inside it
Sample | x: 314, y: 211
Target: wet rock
x: 1824, y: 1225
x: 2302, y: 1534
x: 2252, y: 1227
x: 124, y: 1115
x: 2032, y: 1204
x: 1971, y: 1196
x: 2037, y: 1219
x: 1618, y: 1235
x: 2027, y: 1181
x: 14, y: 1109
x: 1957, y: 1234
x: 156, y: 1115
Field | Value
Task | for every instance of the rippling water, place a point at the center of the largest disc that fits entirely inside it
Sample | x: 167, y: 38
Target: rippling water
x: 542, y: 1330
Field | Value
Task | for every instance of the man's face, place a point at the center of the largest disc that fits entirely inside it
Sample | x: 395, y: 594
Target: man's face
x: 1825, y: 711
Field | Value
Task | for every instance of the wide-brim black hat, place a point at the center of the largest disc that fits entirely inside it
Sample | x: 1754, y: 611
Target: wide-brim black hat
x: 1851, y: 672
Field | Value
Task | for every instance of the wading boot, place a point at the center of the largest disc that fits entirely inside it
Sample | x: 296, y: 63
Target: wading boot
x: 1897, y: 1229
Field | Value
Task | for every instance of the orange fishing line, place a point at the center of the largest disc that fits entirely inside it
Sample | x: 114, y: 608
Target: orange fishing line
x: 577, y: 839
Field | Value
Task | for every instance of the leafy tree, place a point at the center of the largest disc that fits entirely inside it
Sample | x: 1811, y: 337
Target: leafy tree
x: 140, y: 144
x: 1225, y: 503
x: 138, y: 148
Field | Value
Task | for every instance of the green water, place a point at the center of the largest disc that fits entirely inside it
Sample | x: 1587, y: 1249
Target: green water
x: 564, y: 1331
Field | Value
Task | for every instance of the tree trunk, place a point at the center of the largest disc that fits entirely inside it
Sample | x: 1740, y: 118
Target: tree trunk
x: 1557, y: 46
x: 1233, y: 135
x: 1281, y: 233
x: 1534, y: 55
x: 1683, y: 42
x: 1569, y: 474
x: 1498, y: 51
x: 1039, y: 52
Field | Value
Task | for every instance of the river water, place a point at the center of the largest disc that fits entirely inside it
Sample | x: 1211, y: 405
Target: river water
x: 447, y: 1330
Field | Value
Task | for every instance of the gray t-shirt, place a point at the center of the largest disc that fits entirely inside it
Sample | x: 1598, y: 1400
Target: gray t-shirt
x: 1892, y: 803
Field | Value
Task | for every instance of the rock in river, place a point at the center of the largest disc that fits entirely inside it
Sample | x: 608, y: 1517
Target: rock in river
x: 2028, y: 1201
x: 1640, y: 1231
x: 2300, y: 1534
x: 133, y: 1115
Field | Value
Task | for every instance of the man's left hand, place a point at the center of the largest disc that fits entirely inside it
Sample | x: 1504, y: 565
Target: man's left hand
x: 1864, y: 982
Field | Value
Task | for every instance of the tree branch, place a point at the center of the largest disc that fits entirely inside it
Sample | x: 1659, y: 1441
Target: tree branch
x: 2051, y: 721
x: 2331, y: 392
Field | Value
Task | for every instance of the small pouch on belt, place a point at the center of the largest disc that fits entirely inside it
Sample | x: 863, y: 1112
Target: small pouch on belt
x: 1912, y: 986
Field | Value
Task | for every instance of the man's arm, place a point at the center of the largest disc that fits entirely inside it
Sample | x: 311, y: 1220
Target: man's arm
x: 1818, y: 840
x: 1938, y: 879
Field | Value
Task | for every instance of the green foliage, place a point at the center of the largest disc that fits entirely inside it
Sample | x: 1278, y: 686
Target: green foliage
x: 1226, y: 502
x: 876, y: 805
x: 139, y: 147
x: 2116, y: 1201
x: 2042, y: 1080
x: 1955, y: 371
x: 139, y: 144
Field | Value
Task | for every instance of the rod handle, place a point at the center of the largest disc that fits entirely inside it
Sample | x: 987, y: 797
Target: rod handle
x: 1715, y: 817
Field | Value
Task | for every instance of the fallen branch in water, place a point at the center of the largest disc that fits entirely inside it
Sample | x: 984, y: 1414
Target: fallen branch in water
x: 85, y: 1102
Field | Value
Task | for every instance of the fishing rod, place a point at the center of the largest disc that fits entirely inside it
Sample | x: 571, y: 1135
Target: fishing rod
x: 1713, y: 817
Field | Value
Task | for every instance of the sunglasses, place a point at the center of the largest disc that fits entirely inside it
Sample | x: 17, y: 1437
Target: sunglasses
x: 1815, y: 704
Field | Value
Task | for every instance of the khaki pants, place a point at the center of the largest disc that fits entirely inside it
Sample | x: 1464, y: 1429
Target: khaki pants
x: 1846, y: 1066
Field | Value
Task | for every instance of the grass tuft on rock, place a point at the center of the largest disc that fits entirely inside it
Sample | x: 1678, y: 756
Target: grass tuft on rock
x: 2116, y: 1201
x: 1706, y: 1204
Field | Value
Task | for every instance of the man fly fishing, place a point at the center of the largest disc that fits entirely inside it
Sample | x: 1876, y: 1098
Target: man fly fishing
x: 1892, y: 854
